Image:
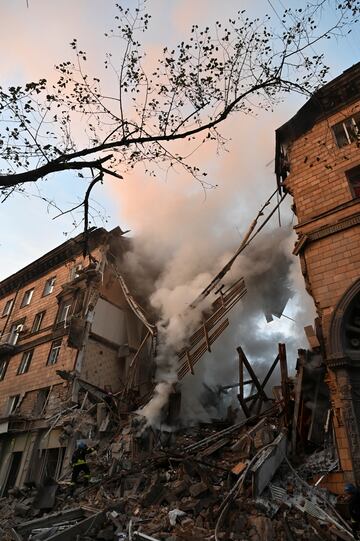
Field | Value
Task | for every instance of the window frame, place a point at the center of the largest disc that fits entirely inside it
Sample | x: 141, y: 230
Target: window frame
x: 13, y: 402
x: 41, y: 319
x: 28, y: 295
x: 75, y: 271
x: 63, y: 313
x: 350, y: 177
x: 345, y: 126
x: 4, y: 363
x: 16, y: 329
x: 9, y: 303
x: 25, y: 362
x: 53, y: 347
x: 51, y: 283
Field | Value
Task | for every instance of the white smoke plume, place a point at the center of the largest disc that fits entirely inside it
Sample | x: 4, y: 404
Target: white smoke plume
x: 182, y: 240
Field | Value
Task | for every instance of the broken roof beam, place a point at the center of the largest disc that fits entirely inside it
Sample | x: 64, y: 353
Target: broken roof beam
x: 203, y: 335
x: 252, y: 374
x: 284, y: 379
x: 134, y: 305
x: 193, y: 358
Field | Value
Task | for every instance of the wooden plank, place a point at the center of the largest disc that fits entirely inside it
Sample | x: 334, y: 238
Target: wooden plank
x: 284, y: 379
x: 244, y: 406
x: 241, y: 378
x: 206, y: 334
x: 215, y: 447
x: 189, y: 361
x: 71, y: 534
x: 298, y: 387
x: 252, y: 374
x: 266, y: 379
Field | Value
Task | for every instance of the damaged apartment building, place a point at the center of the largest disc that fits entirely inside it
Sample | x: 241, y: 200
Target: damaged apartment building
x: 318, y: 163
x: 69, y: 329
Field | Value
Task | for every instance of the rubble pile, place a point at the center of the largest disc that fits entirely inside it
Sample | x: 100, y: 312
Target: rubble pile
x: 212, y: 482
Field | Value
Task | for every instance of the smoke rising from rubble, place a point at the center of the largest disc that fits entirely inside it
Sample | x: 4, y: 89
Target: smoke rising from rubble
x: 182, y: 240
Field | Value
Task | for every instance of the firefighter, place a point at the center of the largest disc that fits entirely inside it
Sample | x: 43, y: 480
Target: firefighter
x: 354, y: 507
x: 79, y: 464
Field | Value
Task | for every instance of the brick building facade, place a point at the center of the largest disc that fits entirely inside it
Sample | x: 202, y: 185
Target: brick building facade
x: 318, y: 163
x: 68, y: 327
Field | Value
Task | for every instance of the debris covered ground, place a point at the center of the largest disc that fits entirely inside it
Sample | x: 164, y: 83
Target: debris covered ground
x: 221, y: 481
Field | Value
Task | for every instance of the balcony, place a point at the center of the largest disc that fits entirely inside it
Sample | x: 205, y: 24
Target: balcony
x: 8, y: 342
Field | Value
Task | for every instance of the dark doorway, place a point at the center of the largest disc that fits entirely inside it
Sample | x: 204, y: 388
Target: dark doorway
x: 51, y: 463
x: 13, y: 471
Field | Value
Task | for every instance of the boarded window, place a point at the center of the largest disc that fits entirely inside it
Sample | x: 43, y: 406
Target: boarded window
x: 25, y: 362
x: 353, y: 176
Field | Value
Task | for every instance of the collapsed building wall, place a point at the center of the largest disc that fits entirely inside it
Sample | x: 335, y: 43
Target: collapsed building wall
x: 67, y: 333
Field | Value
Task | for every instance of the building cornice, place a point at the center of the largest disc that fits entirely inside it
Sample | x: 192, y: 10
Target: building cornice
x: 54, y: 258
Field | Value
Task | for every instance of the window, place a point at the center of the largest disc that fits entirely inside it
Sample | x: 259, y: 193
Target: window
x: 348, y: 131
x: 49, y: 286
x: 25, y: 362
x: 41, y: 400
x: 353, y: 176
x: 54, y: 352
x: 14, y: 334
x: 75, y: 271
x: 38, y: 319
x: 64, y: 312
x: 3, y: 367
x: 13, y: 403
x: 27, y: 297
x: 7, y: 308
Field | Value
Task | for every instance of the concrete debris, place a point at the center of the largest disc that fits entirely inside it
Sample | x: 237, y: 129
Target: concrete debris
x: 216, y: 481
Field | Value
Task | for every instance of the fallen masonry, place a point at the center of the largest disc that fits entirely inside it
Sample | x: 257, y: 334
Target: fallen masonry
x: 224, y: 480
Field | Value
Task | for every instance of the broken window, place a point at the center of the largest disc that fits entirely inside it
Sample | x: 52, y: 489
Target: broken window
x: 49, y: 286
x: 27, y: 297
x: 3, y: 367
x: 347, y: 131
x: 353, y: 176
x: 64, y: 312
x: 54, y: 352
x: 37, y: 321
x: 15, y: 331
x: 41, y: 400
x: 75, y: 271
x: 13, y: 403
x: 7, y: 308
x: 52, y: 461
x: 25, y: 362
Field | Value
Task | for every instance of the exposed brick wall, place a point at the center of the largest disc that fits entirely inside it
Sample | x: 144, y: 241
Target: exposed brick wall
x: 317, y: 178
x: 39, y: 375
x: 319, y: 185
x: 102, y: 366
x: 330, y: 264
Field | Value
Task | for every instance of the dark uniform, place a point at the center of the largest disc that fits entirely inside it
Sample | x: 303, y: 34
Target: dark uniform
x: 78, y: 463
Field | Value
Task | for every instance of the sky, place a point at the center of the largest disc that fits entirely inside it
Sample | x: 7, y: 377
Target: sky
x: 169, y: 210
x: 36, y: 35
